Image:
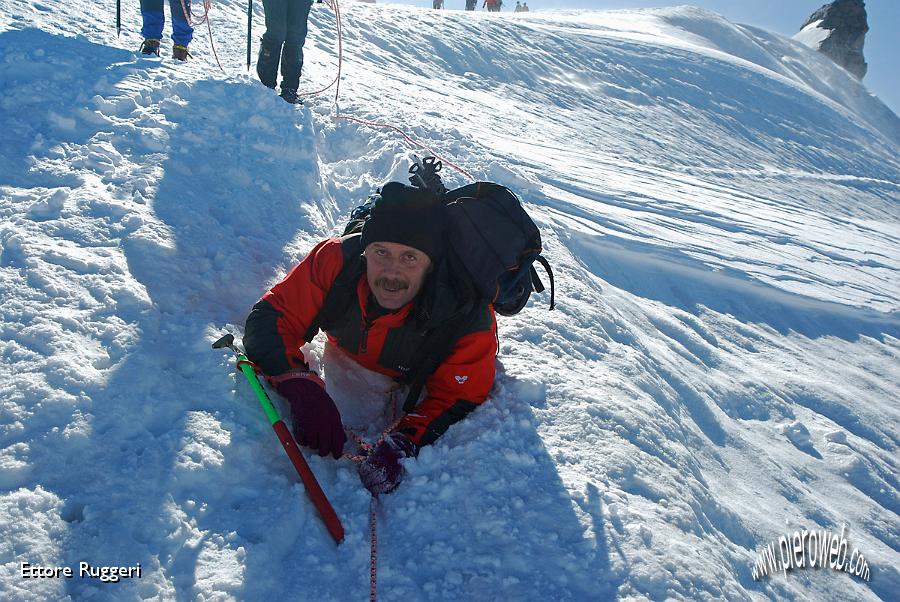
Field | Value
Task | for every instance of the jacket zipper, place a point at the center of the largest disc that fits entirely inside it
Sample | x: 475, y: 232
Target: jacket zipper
x: 363, y: 345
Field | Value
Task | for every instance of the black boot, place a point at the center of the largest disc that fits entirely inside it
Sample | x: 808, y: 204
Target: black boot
x: 290, y: 95
x: 181, y: 52
x: 150, y: 47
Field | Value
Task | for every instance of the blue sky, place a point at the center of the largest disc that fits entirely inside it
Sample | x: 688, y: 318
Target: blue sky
x: 781, y: 16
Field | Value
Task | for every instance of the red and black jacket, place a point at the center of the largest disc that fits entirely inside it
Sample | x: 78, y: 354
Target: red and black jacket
x: 328, y: 290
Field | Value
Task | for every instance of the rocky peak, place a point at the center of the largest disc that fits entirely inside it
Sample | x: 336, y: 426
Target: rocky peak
x: 838, y: 30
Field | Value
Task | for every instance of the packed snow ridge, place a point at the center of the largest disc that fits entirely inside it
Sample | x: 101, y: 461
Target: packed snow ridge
x: 721, y: 207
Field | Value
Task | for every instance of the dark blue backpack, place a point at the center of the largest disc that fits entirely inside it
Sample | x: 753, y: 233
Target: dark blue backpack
x: 490, y: 237
x: 497, y: 243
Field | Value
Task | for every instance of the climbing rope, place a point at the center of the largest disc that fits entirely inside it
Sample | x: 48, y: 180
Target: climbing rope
x: 212, y: 44
x: 365, y: 448
x: 333, y: 5
x: 335, y: 111
x: 373, y: 549
x: 190, y: 18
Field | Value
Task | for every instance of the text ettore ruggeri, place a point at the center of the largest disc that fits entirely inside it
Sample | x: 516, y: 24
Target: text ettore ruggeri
x: 85, y: 570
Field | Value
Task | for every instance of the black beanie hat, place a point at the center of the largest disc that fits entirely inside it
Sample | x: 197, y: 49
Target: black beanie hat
x: 408, y: 216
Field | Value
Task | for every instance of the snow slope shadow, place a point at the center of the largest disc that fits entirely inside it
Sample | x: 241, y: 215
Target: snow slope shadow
x: 682, y: 282
x: 236, y: 175
x: 88, y: 392
x: 230, y: 200
x: 44, y: 91
x: 156, y: 469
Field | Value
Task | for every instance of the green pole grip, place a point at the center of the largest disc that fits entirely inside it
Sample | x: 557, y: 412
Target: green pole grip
x: 268, y: 408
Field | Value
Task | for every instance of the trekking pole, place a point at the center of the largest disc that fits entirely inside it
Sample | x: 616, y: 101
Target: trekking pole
x: 249, y: 29
x: 331, y: 520
x: 118, y: 17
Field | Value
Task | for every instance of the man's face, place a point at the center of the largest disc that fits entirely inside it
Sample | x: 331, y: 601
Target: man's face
x: 395, y: 272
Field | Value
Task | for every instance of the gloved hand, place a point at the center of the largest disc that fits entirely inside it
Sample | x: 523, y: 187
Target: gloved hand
x: 381, y: 471
x: 316, y: 420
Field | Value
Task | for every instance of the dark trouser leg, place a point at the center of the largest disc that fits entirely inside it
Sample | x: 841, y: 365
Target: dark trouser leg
x: 267, y: 63
x: 292, y: 56
x: 272, y: 41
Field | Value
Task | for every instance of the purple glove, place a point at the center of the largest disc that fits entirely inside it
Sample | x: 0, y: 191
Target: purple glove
x: 381, y: 472
x: 316, y: 420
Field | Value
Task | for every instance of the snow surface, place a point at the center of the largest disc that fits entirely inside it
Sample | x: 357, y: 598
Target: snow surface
x: 721, y: 207
x: 812, y: 35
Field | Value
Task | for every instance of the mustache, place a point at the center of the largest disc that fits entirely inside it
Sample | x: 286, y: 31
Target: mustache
x: 392, y: 283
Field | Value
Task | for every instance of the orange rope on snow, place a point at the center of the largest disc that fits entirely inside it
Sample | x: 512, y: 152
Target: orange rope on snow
x: 335, y: 6
x: 211, y: 42
x: 364, y: 450
x: 189, y: 17
x: 332, y: 4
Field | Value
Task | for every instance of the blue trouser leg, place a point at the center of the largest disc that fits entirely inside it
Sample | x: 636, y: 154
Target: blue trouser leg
x: 182, y: 32
x: 153, y: 19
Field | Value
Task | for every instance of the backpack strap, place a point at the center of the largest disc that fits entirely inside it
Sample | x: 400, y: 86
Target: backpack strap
x: 538, y: 285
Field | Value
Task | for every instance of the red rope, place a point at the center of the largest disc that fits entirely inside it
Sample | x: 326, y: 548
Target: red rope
x: 189, y: 17
x: 212, y: 44
x: 414, y: 143
x: 332, y: 4
x: 373, y: 549
x: 365, y: 449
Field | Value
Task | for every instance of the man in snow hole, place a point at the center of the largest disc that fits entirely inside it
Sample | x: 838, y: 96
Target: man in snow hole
x: 396, y: 294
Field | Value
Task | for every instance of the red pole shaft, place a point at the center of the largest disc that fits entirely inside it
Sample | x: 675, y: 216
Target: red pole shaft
x: 329, y: 517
